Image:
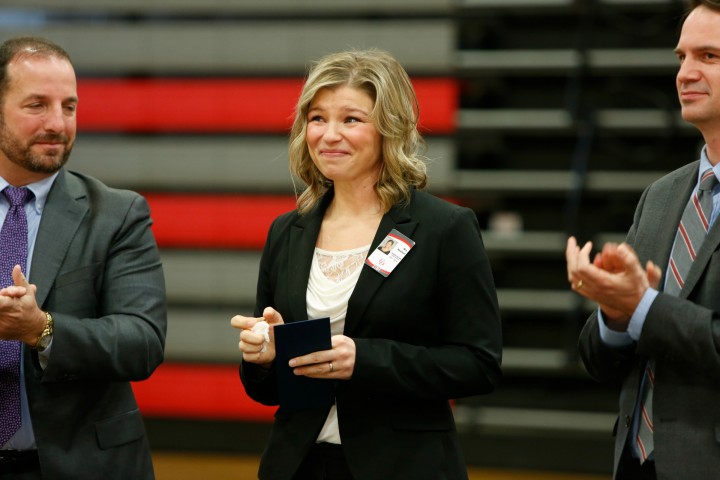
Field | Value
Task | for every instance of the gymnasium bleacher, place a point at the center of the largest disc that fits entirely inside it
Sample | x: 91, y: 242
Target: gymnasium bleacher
x: 547, y: 117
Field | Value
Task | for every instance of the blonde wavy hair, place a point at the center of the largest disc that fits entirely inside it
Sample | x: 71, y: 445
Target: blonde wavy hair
x: 394, y: 114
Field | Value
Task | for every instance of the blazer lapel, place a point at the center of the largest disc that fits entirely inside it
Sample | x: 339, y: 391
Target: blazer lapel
x: 701, y: 260
x: 303, y: 237
x: 668, y: 219
x: 64, y: 210
x: 370, y: 280
x: 672, y: 212
x: 708, y: 247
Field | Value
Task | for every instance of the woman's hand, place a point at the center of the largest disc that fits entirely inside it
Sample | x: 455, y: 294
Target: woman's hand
x: 337, y: 363
x: 252, y: 344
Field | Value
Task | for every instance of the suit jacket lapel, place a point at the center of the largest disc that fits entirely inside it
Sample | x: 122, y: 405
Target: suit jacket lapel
x: 671, y: 212
x: 303, y: 237
x: 64, y: 210
x: 668, y: 219
x: 708, y: 247
x: 370, y: 280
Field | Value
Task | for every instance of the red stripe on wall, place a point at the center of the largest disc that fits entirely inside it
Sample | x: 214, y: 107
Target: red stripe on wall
x: 439, y: 102
x: 215, y: 221
x: 167, y: 105
x: 208, y: 392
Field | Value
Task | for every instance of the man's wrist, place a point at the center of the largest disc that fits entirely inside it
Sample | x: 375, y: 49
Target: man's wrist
x: 43, y: 340
x: 616, y: 324
x: 612, y: 338
x: 637, y: 321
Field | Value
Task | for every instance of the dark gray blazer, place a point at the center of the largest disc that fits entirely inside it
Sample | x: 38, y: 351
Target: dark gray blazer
x: 98, y: 271
x: 428, y: 333
x: 681, y: 333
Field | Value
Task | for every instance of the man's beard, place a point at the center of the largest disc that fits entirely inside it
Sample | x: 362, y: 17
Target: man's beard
x: 23, y: 156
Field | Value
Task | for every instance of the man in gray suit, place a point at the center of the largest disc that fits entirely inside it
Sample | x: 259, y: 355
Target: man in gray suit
x: 91, y: 315
x: 657, y: 331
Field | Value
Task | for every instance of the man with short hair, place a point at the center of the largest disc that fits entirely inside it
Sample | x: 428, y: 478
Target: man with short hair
x: 657, y: 329
x: 82, y: 304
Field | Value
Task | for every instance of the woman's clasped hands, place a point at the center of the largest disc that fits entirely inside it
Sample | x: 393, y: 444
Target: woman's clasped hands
x: 259, y: 348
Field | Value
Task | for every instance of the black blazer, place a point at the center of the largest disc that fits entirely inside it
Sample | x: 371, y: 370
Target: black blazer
x: 97, y: 270
x: 681, y: 333
x: 428, y: 333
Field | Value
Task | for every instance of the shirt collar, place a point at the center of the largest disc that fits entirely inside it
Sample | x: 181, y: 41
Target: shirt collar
x: 40, y: 190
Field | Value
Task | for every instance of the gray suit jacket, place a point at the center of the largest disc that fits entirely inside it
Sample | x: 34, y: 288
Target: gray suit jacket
x: 681, y: 333
x: 427, y: 333
x: 98, y: 271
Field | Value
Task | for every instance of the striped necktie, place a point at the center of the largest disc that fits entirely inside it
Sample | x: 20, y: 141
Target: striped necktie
x: 691, y: 233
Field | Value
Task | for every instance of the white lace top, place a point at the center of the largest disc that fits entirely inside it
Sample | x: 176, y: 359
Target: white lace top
x: 333, y: 276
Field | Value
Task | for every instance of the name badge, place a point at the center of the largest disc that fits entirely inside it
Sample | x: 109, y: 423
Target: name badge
x: 389, y: 253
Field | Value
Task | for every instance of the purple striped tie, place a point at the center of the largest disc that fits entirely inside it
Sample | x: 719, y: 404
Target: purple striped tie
x: 14, y: 244
x: 691, y: 233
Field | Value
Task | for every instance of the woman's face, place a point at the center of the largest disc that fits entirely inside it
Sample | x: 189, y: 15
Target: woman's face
x: 342, y: 139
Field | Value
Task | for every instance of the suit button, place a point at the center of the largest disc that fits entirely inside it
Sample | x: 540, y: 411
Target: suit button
x: 627, y: 421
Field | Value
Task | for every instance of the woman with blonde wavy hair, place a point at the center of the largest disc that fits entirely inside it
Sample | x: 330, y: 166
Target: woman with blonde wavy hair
x: 411, y: 329
x: 394, y: 114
